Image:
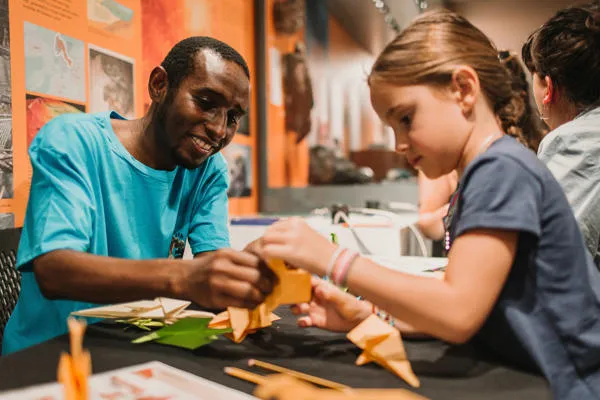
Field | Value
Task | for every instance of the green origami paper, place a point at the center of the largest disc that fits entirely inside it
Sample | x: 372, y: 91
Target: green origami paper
x: 189, y: 333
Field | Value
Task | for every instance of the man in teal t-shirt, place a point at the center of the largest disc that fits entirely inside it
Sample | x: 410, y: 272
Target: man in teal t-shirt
x: 113, y: 201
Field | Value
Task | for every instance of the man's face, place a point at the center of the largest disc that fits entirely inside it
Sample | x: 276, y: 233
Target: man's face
x: 201, y: 116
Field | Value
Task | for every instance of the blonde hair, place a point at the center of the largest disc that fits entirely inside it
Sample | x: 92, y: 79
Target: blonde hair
x: 428, y: 51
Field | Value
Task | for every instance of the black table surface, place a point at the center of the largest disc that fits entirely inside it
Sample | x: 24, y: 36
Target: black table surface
x: 446, y: 372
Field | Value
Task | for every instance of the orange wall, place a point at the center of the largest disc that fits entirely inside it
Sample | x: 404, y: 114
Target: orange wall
x: 156, y: 26
x: 347, y: 64
x: 165, y: 22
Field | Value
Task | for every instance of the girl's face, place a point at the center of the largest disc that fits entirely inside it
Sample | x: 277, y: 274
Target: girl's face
x: 429, y: 124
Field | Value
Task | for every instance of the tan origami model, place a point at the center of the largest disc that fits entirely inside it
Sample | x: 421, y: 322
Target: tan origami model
x: 288, y: 384
x: 160, y: 309
x: 282, y: 387
x: 293, y: 286
x: 382, y: 344
x: 75, y: 368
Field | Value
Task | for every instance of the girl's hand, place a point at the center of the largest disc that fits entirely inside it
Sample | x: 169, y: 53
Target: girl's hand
x: 331, y: 309
x: 296, y: 243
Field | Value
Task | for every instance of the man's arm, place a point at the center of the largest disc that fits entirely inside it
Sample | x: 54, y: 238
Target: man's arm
x: 215, y: 280
x: 58, y: 231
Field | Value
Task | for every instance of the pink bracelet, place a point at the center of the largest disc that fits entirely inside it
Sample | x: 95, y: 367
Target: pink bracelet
x: 342, y: 267
x: 335, y: 261
x: 334, y: 257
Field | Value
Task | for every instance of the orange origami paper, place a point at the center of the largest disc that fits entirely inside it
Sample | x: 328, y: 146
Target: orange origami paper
x: 293, y: 286
x: 75, y: 368
x: 382, y: 344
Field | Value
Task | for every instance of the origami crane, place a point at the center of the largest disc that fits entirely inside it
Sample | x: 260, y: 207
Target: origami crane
x: 243, y: 321
x: 75, y: 368
x: 293, y: 286
x: 382, y: 344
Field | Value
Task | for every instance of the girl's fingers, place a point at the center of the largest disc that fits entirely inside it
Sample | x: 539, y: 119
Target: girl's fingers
x: 301, y: 308
x: 305, y: 322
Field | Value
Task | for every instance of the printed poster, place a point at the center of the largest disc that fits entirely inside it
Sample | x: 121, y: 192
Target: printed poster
x: 239, y: 164
x: 111, y: 82
x: 7, y: 218
x: 60, y: 57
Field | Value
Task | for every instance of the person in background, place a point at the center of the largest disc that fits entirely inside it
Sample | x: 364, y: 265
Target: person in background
x: 434, y: 194
x: 564, y: 57
x: 113, y: 201
x: 519, y: 279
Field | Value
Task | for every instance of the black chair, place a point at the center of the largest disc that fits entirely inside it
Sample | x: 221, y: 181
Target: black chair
x: 10, y: 278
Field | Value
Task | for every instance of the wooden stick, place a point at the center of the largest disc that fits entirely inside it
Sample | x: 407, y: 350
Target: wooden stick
x: 245, y: 375
x: 313, y: 379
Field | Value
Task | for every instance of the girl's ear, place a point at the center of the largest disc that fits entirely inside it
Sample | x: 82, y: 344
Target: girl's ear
x: 549, y: 93
x: 465, y: 88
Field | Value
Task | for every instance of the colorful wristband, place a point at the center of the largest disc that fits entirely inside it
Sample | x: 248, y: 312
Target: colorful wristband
x: 387, y: 317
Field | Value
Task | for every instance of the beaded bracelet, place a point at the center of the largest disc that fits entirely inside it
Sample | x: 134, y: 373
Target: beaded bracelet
x: 385, y: 316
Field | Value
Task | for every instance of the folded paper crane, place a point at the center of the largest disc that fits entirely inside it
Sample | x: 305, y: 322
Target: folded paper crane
x: 75, y: 368
x: 242, y: 321
x: 382, y: 344
x: 162, y: 309
x: 292, y: 287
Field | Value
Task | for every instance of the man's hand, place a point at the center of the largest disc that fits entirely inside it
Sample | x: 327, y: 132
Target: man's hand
x: 226, y: 278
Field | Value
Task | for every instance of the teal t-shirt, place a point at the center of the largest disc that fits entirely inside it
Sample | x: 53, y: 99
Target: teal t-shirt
x: 89, y: 194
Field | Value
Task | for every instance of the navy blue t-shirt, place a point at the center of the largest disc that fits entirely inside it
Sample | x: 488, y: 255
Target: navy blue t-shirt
x: 548, y: 313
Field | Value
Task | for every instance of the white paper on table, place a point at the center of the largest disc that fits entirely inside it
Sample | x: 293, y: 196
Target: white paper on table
x: 149, y: 380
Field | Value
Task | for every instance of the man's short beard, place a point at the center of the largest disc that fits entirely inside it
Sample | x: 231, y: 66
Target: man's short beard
x: 163, y: 136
